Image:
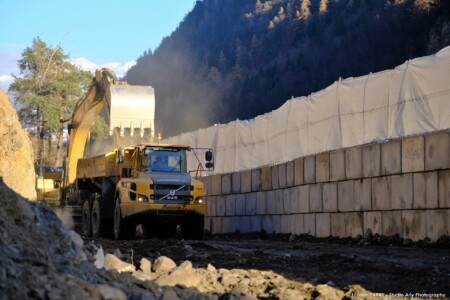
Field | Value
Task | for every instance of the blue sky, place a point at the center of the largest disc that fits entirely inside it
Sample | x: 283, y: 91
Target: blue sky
x: 93, y: 33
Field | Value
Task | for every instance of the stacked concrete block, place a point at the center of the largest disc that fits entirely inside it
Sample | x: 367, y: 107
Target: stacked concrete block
x: 401, y: 191
x: 250, y: 204
x: 298, y: 171
x: 295, y: 203
x: 353, y: 224
x: 287, y: 201
x: 309, y: 168
x: 226, y: 184
x: 211, y: 206
x: 329, y: 197
x: 275, y: 177
x: 438, y: 223
x: 315, y: 198
x: 296, y: 224
x: 271, y: 202
x: 266, y: 178
x: 256, y: 180
x: 216, y: 225
x: 338, y: 225
x: 235, y: 183
x: 246, y: 181
x: 372, y: 222
x: 353, y: 163
x: 391, y: 222
x: 323, y: 167
x: 363, y: 194
x: 290, y: 174
x: 261, y: 203
x: 255, y: 223
x: 425, y: 187
x: 391, y: 154
x: 240, y: 204
x: 371, y: 160
x: 444, y: 189
x: 284, y: 223
x: 207, y: 184
x: 323, y: 225
x: 303, y: 197
x: 414, y: 224
x: 244, y: 224
x: 221, y: 205
x: 216, y: 185
x: 230, y: 224
x: 337, y: 165
x: 267, y: 224
x: 346, y: 201
x: 413, y: 154
x: 282, y: 182
x: 381, y: 195
x: 309, y: 224
x: 230, y: 205
x: 276, y: 221
x: 437, y: 149
x: 279, y: 202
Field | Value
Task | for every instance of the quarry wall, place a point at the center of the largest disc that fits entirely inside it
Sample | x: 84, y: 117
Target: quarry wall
x: 401, y: 186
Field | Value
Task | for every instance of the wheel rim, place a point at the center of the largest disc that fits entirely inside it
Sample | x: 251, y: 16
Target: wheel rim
x: 116, y: 221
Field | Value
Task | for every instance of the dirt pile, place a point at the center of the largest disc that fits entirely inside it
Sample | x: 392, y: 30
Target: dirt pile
x: 16, y: 152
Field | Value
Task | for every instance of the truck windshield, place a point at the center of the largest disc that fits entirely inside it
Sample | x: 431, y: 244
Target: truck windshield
x: 164, y: 160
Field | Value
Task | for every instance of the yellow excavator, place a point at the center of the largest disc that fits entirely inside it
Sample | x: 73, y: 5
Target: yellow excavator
x: 138, y: 182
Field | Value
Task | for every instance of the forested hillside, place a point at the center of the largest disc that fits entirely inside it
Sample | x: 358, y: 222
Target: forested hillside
x: 233, y: 59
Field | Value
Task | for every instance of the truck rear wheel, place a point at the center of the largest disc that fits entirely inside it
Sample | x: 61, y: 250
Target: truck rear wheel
x: 86, y: 219
x: 123, y: 229
x: 96, y: 220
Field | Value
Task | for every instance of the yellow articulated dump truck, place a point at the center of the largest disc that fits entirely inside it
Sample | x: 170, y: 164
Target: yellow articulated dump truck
x: 136, y: 183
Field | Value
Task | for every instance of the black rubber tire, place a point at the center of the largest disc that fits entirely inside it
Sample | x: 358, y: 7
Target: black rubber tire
x: 123, y: 230
x: 193, y: 228
x: 96, y: 220
x: 86, y: 219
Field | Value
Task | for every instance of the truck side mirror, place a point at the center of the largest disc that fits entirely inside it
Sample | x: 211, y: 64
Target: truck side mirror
x: 209, y: 165
x: 120, y: 155
x: 208, y: 156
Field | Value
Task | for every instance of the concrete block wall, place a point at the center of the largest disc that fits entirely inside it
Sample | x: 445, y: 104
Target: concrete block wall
x: 398, y: 187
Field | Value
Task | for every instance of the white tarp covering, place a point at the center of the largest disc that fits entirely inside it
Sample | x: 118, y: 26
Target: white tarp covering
x: 413, y: 98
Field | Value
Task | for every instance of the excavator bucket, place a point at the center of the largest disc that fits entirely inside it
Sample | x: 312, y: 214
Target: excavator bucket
x: 131, y: 108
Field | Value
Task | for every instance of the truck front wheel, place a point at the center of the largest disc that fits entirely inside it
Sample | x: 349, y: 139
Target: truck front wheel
x: 86, y: 219
x: 123, y: 229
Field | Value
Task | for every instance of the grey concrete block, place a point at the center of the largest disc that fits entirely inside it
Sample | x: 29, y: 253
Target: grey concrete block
x: 282, y: 182
x: 240, y: 205
x: 329, y: 197
x: 287, y: 201
x: 271, y: 202
x: 372, y: 222
x: 236, y: 183
x: 323, y: 167
x: 284, y: 220
x: 216, y: 185
x: 354, y: 224
x: 401, y: 191
x: 290, y: 174
x: 295, y: 203
x: 371, y: 160
x: 414, y: 224
x: 363, y: 194
x: 211, y: 203
x: 338, y: 225
x: 226, y: 184
x: 391, y: 222
x: 275, y: 177
x: 438, y: 223
x: 303, y: 193
x: 381, y: 195
x: 297, y: 224
x: 437, y: 151
x: 391, y: 153
x: 413, y: 154
x: 266, y: 178
x: 250, y: 204
x: 309, y: 164
x: 346, y: 194
x: 276, y: 219
x: 323, y: 225
x: 309, y: 224
x: 230, y: 224
x: 337, y: 165
x: 315, y: 197
x: 267, y: 224
x: 207, y: 184
x: 261, y: 203
x: 353, y: 163
x: 245, y: 224
x: 230, y: 205
x: 256, y: 180
x: 208, y: 224
x: 221, y: 205
x: 246, y: 181
x: 255, y: 223
x: 298, y: 171
x: 425, y: 186
x: 279, y: 205
x: 444, y: 189
x: 216, y: 225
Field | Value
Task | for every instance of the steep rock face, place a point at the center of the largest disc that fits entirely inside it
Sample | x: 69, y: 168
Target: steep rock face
x: 16, y: 152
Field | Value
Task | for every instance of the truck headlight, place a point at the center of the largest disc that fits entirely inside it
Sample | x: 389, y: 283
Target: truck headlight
x: 199, y: 200
x: 142, y: 198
